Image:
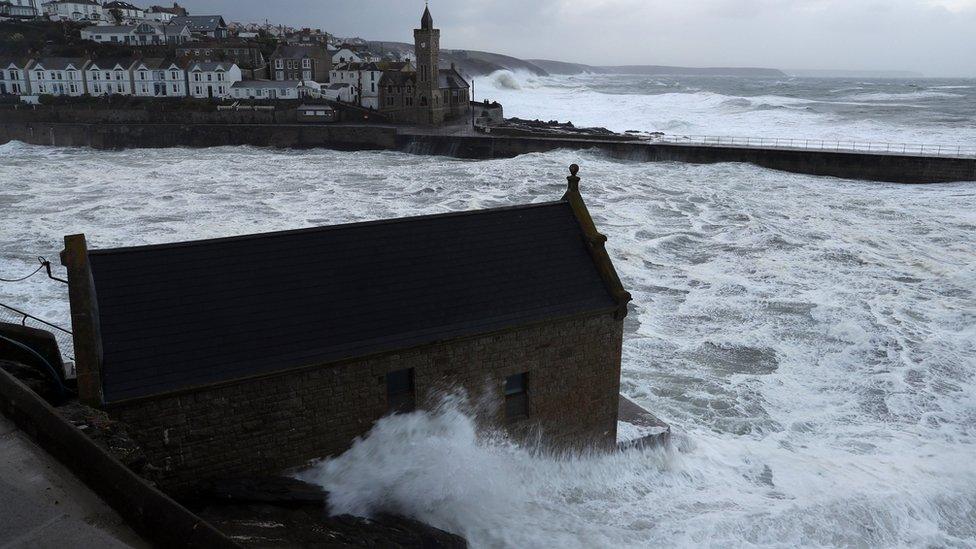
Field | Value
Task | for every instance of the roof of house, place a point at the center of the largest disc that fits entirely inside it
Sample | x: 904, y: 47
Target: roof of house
x: 209, y: 66
x: 156, y: 63
x: 397, y: 78
x: 451, y: 79
x: 61, y: 63
x: 120, y: 5
x: 297, y: 51
x: 19, y: 63
x: 106, y: 63
x: 183, y: 315
x: 83, y: 2
x: 338, y: 86
x: 200, y: 23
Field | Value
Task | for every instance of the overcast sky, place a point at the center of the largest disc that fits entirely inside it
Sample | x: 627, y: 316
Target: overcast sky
x: 934, y: 37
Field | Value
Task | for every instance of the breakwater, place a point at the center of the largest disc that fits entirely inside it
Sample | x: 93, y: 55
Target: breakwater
x: 897, y: 168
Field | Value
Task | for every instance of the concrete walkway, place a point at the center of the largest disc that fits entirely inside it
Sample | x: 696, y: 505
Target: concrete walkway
x: 42, y: 504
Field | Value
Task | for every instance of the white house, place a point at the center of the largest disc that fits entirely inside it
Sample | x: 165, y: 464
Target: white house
x: 18, y: 9
x: 143, y: 34
x: 126, y: 11
x: 73, y: 10
x: 346, y: 55
x: 364, y: 78
x: 211, y: 80
x: 275, y: 89
x: 203, y: 26
x: 110, y: 76
x: 58, y: 76
x: 156, y: 77
x: 13, y: 76
x: 339, y: 92
x: 369, y: 85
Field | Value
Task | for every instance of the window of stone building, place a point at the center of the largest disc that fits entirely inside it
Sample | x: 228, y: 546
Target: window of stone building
x: 517, y: 397
x: 400, y: 391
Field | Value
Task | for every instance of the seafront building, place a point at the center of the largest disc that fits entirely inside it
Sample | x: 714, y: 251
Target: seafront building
x: 157, y: 77
x: 517, y: 306
x: 191, y: 56
x: 13, y: 76
x: 18, y: 9
x: 110, y: 76
x: 58, y: 76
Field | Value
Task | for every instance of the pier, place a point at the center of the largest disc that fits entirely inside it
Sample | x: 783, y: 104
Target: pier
x: 868, y: 163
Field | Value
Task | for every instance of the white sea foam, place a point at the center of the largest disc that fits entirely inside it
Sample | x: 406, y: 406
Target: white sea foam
x: 586, y: 101
x: 812, y: 341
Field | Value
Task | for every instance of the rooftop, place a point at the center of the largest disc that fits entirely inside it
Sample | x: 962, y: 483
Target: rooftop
x: 176, y: 316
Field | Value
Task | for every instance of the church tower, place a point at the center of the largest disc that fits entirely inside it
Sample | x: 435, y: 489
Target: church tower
x: 427, y: 47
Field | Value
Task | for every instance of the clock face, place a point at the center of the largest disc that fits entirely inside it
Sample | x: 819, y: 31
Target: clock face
x: 423, y: 44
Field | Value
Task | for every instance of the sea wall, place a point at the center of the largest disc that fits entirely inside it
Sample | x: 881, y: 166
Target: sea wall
x: 134, y: 135
x: 849, y: 165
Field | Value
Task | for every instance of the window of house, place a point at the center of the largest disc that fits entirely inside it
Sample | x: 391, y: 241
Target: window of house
x: 306, y: 63
x: 118, y: 75
x: 279, y: 64
x: 196, y: 77
x: 400, y: 391
x: 517, y: 397
x: 176, y: 88
x: 209, y: 77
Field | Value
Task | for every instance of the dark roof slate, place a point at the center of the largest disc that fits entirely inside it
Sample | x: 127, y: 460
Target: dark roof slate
x: 182, y: 315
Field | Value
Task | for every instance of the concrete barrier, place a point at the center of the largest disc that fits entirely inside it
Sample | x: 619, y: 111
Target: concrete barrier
x: 151, y: 513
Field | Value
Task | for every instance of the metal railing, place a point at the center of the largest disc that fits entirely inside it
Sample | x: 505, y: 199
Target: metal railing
x: 61, y: 335
x: 948, y: 151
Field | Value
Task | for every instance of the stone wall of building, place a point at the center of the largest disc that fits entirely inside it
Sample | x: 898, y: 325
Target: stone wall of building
x: 267, y: 425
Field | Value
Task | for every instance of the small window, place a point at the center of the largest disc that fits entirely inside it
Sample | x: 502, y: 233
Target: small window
x: 400, y: 392
x: 517, y: 397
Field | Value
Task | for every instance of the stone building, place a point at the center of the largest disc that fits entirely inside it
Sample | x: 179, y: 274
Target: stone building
x: 301, y: 62
x: 430, y: 95
x: 253, y: 354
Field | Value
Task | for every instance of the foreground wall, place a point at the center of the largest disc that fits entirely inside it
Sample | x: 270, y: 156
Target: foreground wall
x: 266, y: 425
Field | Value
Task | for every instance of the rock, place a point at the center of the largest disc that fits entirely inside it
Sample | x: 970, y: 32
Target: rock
x: 285, y: 512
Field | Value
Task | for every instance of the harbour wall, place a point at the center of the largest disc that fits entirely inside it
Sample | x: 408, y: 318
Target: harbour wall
x: 843, y: 164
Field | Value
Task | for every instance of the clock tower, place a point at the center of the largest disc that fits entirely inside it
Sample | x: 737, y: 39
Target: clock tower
x: 427, y: 47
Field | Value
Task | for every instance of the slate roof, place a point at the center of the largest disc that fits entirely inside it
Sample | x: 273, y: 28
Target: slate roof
x: 451, y: 79
x: 61, y: 63
x: 177, y: 316
x: 157, y: 63
x: 291, y: 51
x: 107, y: 63
x: 200, y: 23
x: 120, y: 5
x: 209, y: 66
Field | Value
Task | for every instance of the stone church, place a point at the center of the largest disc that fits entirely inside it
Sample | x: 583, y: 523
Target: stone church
x: 429, y: 94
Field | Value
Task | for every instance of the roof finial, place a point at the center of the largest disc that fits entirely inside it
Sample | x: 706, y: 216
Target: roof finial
x: 573, y: 179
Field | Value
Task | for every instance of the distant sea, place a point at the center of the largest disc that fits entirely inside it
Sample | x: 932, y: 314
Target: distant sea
x: 811, y: 340
x: 918, y: 111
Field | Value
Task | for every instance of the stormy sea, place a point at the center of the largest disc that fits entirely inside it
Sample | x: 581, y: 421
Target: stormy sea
x: 812, y: 341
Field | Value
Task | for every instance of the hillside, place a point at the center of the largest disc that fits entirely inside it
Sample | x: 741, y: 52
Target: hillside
x: 560, y: 67
x: 469, y: 61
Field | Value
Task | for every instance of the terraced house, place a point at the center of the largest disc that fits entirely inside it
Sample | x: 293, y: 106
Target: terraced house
x: 156, y: 77
x: 110, y: 76
x: 13, y: 76
x: 211, y: 80
x: 58, y: 76
x: 301, y: 62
